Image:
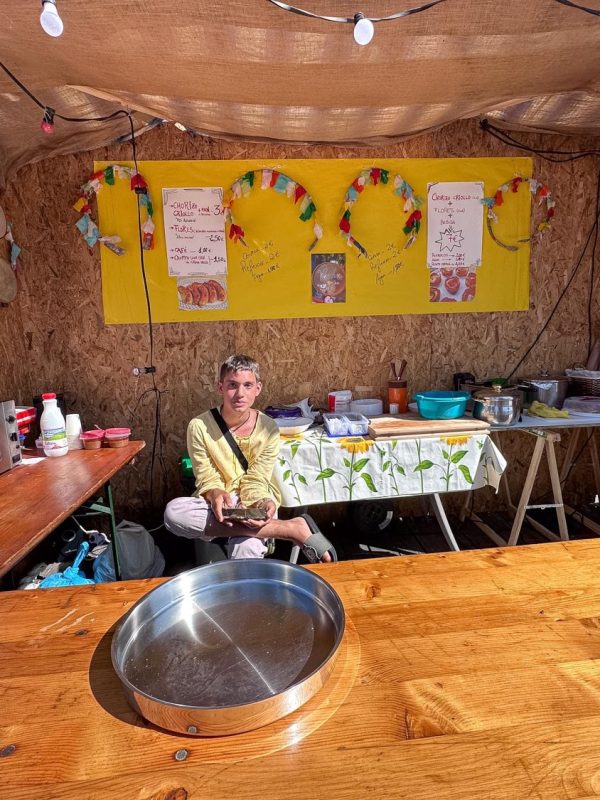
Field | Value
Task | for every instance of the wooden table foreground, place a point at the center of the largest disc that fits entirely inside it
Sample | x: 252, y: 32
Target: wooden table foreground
x: 472, y: 675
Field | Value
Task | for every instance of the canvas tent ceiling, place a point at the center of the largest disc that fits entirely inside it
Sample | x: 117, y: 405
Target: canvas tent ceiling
x: 245, y: 68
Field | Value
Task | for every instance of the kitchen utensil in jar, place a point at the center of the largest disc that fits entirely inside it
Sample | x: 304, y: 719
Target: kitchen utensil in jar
x: 499, y: 405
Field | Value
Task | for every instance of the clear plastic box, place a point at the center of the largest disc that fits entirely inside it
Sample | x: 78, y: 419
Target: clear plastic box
x: 347, y: 424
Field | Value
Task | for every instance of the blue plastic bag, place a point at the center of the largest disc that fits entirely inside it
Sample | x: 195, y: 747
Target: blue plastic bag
x: 72, y: 576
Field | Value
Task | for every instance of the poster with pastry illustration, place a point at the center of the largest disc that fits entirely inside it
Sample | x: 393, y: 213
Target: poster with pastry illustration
x: 202, y: 294
x: 452, y: 285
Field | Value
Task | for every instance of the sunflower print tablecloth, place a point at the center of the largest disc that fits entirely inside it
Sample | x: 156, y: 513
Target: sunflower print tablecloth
x: 314, y: 468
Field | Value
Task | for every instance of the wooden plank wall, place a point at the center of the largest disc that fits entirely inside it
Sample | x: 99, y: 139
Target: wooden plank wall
x: 53, y: 336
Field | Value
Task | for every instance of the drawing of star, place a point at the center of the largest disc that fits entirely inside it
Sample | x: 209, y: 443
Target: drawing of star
x: 450, y: 239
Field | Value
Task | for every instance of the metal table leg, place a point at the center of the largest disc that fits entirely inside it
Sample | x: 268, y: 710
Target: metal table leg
x: 108, y: 508
x: 440, y: 515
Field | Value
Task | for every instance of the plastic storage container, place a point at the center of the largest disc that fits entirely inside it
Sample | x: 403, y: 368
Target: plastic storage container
x: 585, y: 406
x: 369, y: 407
x: 346, y: 424
x: 53, y: 428
x: 442, y: 405
x: 92, y: 440
x: 117, y: 437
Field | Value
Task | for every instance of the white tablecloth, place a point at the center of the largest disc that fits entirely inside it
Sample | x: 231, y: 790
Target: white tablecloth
x: 314, y: 468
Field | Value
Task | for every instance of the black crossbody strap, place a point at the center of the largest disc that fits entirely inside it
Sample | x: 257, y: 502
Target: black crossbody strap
x: 229, y: 438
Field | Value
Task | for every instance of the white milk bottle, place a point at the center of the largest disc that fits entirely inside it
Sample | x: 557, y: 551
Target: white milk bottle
x: 53, y: 428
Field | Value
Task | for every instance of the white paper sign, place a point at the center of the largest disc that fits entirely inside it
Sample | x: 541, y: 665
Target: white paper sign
x: 454, y: 224
x: 195, y: 231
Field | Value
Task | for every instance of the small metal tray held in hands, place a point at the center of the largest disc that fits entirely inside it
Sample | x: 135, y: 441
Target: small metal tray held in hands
x: 228, y: 647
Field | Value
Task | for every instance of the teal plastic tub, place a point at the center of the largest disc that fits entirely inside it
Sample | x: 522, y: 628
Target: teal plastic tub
x: 442, y: 405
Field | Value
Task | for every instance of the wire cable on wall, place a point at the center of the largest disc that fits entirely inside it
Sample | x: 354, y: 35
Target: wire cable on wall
x: 558, y: 156
x: 157, y: 439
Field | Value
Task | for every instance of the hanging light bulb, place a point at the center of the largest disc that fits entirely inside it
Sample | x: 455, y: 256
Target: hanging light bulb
x: 363, y: 29
x: 47, y: 124
x: 50, y: 19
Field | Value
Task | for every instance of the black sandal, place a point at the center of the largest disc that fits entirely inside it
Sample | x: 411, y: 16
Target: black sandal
x: 317, y: 544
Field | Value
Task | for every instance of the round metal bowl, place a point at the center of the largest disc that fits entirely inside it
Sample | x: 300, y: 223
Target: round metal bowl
x: 228, y: 647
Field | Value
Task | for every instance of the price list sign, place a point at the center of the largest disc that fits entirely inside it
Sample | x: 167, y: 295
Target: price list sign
x: 194, y: 231
x: 454, y: 224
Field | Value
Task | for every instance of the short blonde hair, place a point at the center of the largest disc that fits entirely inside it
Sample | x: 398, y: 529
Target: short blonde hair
x: 237, y: 363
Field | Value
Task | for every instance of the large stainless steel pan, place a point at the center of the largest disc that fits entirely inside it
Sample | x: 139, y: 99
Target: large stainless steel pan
x: 228, y: 647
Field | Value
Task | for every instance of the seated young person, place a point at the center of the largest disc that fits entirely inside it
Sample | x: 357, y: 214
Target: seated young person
x: 222, y: 482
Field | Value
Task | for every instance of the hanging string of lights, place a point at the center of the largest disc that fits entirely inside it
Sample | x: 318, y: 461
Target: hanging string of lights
x: 47, y: 126
x: 363, y: 25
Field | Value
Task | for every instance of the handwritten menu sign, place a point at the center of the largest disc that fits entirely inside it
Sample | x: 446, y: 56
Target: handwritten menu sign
x: 195, y: 231
x: 454, y: 224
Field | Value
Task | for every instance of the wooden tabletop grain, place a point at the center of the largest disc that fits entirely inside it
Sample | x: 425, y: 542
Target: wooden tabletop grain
x: 462, y: 676
x: 37, y: 496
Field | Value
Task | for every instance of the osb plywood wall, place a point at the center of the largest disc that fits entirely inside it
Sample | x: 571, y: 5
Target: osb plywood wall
x: 53, y: 336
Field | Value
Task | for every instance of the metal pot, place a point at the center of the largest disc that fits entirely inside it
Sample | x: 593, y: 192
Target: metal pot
x: 545, y: 388
x: 498, y: 405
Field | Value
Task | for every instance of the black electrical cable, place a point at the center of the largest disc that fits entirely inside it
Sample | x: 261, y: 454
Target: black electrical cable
x: 571, y: 4
x: 119, y: 113
x: 50, y: 113
x: 157, y: 435
x: 566, y: 156
x: 506, y: 138
x: 593, y: 229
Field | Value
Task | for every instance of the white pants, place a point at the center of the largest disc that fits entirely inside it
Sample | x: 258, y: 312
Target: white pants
x: 193, y: 518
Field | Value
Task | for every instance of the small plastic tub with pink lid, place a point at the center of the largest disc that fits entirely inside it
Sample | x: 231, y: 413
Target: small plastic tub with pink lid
x: 92, y: 440
x: 117, y: 437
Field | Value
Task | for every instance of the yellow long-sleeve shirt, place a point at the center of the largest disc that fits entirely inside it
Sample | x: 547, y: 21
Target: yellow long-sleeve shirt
x: 216, y: 467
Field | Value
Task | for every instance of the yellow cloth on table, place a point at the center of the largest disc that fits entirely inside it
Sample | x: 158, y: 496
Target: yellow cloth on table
x: 538, y: 409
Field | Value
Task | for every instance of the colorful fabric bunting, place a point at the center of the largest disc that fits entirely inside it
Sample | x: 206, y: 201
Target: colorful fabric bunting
x: 538, y: 190
x: 372, y: 177
x: 88, y: 228
x: 280, y: 183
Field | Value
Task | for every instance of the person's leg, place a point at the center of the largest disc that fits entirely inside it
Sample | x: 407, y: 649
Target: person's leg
x: 189, y: 517
x: 192, y: 518
x: 245, y: 547
x: 295, y: 530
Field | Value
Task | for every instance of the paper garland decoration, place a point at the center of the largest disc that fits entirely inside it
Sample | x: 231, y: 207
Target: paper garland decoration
x: 88, y: 228
x: 537, y: 189
x: 371, y: 177
x: 283, y: 184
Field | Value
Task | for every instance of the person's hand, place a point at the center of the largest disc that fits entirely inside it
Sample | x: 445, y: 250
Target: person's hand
x: 219, y: 499
x: 269, y: 506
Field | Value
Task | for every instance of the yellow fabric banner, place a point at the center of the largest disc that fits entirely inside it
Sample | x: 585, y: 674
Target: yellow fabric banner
x: 275, y: 275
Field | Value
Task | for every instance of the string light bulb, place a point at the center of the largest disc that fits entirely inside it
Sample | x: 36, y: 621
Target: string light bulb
x: 363, y: 29
x: 47, y: 124
x: 363, y: 26
x: 50, y: 18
